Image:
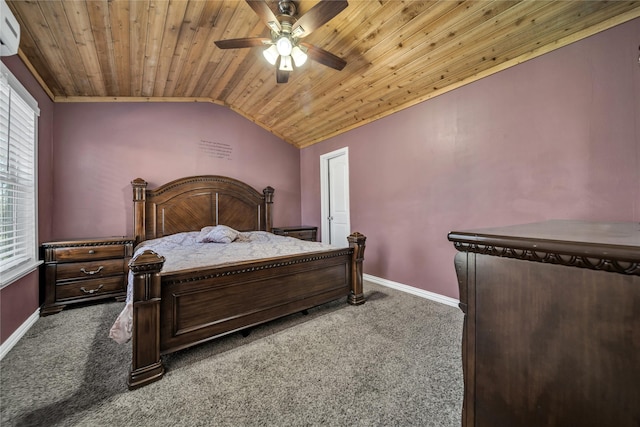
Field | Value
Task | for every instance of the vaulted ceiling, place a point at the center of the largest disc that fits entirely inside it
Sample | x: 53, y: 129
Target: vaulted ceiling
x: 398, y: 53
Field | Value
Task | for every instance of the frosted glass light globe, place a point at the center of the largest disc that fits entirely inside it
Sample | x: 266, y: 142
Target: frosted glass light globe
x: 284, y: 46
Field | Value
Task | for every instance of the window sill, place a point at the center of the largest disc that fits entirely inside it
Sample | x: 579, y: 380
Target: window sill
x: 18, y: 273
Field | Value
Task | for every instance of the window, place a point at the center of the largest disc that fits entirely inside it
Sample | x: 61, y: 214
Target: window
x: 18, y: 179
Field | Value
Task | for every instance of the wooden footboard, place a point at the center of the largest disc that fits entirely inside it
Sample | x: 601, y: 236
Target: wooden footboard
x: 177, y: 310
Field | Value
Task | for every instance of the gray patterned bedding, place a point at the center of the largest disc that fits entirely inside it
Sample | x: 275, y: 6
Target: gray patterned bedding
x: 185, y: 251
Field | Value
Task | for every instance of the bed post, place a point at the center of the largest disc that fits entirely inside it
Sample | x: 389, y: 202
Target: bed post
x: 268, y: 205
x: 146, y: 365
x: 357, y: 242
x: 139, y: 209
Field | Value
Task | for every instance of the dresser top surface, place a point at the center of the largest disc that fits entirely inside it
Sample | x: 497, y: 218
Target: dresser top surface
x: 610, y: 233
x: 89, y: 241
x: 617, y: 239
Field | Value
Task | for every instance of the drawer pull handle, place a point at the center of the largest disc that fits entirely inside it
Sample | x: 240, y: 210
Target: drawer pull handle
x: 91, y: 291
x: 91, y: 252
x: 91, y: 272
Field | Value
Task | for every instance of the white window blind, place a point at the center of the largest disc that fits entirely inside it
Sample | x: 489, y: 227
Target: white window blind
x: 18, y: 179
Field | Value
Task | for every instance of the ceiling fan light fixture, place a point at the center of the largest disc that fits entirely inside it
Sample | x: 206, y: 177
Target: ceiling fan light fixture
x: 285, y: 63
x: 299, y: 55
x: 271, y: 54
x: 284, y: 46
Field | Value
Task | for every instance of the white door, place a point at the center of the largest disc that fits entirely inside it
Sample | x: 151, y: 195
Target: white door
x: 336, y: 225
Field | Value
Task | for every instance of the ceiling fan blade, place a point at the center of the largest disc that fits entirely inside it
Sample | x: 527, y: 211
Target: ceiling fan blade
x: 324, y: 57
x: 282, y: 76
x: 262, y: 9
x: 240, y: 43
x: 317, y: 16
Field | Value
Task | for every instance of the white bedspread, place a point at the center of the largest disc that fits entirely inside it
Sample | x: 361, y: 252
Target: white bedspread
x: 181, y: 251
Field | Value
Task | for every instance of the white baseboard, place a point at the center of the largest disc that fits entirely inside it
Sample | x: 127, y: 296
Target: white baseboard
x: 411, y: 290
x: 18, y: 333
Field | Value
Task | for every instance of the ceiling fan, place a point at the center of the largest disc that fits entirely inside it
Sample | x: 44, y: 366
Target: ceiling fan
x: 284, y: 48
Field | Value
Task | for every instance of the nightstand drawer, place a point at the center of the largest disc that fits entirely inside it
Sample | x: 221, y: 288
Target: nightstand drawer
x: 91, y: 269
x: 90, y: 288
x: 88, y: 253
x: 302, y: 232
x: 302, y: 235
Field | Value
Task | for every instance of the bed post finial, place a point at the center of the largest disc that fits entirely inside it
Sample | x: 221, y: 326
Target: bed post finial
x: 139, y: 186
x: 268, y: 205
x: 357, y: 242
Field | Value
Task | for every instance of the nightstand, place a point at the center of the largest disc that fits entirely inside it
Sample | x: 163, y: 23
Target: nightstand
x: 85, y: 270
x: 302, y: 232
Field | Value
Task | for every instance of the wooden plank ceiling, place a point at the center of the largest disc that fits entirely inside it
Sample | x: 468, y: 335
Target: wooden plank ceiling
x: 398, y: 53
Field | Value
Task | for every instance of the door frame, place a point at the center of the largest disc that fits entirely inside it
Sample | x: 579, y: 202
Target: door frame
x: 324, y: 190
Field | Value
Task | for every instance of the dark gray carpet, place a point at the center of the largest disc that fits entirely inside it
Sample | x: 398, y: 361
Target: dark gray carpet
x: 394, y: 361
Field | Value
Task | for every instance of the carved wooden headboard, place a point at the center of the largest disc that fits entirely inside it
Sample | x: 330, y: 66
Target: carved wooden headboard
x: 188, y: 204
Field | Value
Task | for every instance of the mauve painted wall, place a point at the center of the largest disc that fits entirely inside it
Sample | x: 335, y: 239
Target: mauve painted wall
x: 100, y: 148
x: 20, y: 299
x: 555, y: 137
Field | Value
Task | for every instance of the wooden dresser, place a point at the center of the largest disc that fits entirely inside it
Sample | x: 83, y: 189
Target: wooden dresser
x: 302, y: 232
x: 84, y: 270
x: 552, y: 324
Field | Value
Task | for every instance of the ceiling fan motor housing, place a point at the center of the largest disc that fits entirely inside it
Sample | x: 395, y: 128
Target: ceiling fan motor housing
x: 287, y: 7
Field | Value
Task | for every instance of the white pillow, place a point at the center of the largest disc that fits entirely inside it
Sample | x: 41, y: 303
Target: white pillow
x: 217, y: 234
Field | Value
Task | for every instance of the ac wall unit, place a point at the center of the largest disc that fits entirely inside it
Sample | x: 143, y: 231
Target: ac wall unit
x: 9, y: 31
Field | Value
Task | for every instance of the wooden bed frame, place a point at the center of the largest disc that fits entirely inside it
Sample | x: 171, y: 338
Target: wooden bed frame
x: 172, y: 311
